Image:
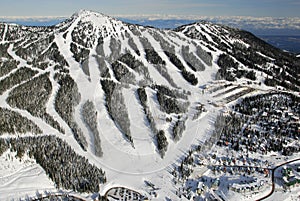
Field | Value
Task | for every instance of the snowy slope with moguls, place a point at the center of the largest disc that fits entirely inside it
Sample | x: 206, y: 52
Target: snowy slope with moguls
x: 123, y: 101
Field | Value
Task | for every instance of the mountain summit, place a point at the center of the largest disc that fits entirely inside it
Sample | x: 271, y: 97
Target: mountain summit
x: 113, y: 91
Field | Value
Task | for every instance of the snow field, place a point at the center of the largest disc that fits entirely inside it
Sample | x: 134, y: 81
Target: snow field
x: 124, y: 165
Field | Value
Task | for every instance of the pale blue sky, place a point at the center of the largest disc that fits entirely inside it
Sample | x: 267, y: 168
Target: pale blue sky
x: 273, y: 8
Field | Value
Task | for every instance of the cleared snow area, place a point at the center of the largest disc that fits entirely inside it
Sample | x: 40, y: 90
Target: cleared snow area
x: 139, y: 125
x: 19, y: 178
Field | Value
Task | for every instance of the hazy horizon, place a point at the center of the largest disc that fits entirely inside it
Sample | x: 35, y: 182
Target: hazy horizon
x: 258, y: 8
x: 274, y: 25
x: 264, y: 27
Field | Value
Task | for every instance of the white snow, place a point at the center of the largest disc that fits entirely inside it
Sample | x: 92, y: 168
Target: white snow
x: 139, y: 126
x: 16, y: 57
x: 106, y: 48
x: 18, y: 178
x: 50, y: 108
x: 4, y: 33
x: 124, y: 165
x: 205, y: 33
x: 272, y: 59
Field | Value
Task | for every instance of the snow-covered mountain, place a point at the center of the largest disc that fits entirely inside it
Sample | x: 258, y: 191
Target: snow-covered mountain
x: 121, y: 94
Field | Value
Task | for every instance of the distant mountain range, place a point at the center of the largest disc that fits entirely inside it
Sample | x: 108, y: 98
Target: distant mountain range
x: 258, y: 25
x: 288, y: 43
x: 283, y: 33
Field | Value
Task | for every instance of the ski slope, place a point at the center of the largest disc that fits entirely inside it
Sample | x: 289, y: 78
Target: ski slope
x: 125, y: 164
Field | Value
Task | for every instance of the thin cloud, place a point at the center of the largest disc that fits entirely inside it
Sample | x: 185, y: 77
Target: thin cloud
x: 295, y: 3
x: 192, y: 5
x: 199, y: 5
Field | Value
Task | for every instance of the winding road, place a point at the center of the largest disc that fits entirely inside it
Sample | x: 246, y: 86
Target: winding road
x: 273, y: 177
